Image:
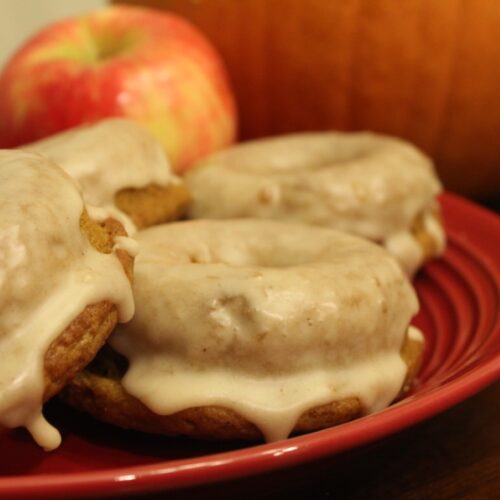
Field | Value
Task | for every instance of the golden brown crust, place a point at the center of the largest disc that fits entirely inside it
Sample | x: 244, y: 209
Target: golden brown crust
x: 425, y: 238
x: 153, y: 204
x: 98, y: 391
x: 77, y: 345
x: 411, y: 352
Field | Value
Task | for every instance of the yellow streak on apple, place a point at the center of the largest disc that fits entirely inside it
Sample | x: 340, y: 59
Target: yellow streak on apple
x: 80, y: 47
x: 205, y: 94
x: 86, y: 45
x: 190, y: 119
x: 143, y: 101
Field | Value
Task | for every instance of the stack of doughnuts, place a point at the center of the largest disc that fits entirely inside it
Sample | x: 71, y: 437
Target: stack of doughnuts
x: 64, y: 284
x: 261, y: 319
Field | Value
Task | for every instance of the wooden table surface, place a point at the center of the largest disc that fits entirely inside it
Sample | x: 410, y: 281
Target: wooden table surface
x: 454, y: 455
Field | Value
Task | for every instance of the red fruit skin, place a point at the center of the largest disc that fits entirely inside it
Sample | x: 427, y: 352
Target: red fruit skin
x: 156, y: 68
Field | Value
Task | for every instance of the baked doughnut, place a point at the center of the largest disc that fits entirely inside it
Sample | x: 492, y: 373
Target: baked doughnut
x: 119, y: 164
x: 64, y: 284
x: 374, y: 186
x: 253, y: 328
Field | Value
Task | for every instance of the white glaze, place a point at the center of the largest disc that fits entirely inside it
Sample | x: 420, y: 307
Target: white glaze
x: 107, y: 157
x: 366, y: 184
x: 49, y: 273
x: 415, y: 334
x: 266, y: 318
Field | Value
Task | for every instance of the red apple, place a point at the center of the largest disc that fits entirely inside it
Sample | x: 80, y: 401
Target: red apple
x: 120, y: 61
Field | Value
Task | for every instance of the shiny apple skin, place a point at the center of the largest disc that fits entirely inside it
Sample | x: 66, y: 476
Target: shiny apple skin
x: 138, y: 63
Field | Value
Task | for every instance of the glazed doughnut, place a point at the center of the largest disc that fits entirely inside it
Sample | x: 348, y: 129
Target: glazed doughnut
x: 374, y: 186
x: 253, y: 328
x: 64, y: 284
x: 119, y: 164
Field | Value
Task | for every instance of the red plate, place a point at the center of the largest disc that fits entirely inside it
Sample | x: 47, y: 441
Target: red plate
x: 459, y: 315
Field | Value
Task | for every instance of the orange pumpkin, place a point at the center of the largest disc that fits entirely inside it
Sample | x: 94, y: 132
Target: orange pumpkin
x: 424, y: 70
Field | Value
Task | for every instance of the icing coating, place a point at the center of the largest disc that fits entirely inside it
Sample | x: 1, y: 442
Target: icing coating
x: 107, y: 157
x: 266, y: 318
x: 49, y: 273
x: 366, y: 184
